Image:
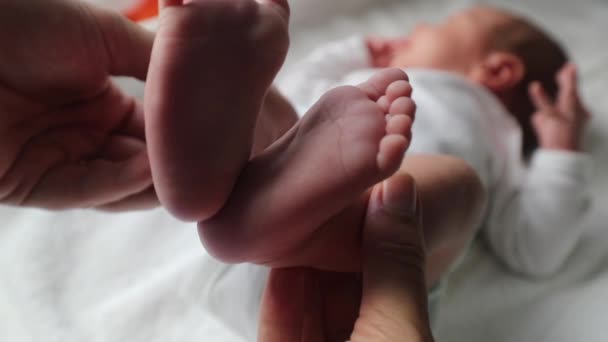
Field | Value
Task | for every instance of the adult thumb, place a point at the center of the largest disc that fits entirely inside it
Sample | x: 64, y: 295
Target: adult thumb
x: 128, y: 45
x: 394, y: 301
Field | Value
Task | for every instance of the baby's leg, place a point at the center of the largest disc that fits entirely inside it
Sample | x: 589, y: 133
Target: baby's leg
x: 212, y: 64
x: 345, y: 144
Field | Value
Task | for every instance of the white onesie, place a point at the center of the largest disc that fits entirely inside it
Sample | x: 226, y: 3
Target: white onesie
x: 533, y: 211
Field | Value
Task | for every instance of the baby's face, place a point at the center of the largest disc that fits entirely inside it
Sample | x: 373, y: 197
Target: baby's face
x: 455, y: 44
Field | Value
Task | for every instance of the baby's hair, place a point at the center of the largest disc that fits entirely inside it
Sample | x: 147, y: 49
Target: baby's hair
x: 543, y: 57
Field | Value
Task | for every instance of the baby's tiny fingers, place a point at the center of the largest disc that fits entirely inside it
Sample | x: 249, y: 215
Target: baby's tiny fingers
x: 567, y: 98
x: 568, y: 74
x: 539, y: 119
x: 539, y: 97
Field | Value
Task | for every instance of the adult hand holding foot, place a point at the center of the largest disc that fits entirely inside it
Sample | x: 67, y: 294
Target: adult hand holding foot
x: 387, y: 304
x: 69, y: 138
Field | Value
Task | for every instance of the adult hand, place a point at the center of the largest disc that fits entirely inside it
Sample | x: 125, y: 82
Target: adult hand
x: 68, y: 136
x: 388, y: 303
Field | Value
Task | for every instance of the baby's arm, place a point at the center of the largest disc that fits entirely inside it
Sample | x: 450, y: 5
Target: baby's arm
x: 533, y: 226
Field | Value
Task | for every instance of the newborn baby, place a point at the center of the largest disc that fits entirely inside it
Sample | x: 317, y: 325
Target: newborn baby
x: 478, y: 76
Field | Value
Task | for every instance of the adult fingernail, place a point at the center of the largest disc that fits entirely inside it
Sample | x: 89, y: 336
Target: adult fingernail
x: 399, y: 195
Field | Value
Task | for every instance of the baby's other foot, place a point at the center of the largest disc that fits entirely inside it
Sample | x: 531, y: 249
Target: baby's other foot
x: 212, y: 64
x: 353, y: 138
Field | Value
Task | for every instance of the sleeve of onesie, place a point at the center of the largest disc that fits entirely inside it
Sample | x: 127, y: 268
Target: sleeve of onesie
x: 534, y: 225
x: 323, y: 69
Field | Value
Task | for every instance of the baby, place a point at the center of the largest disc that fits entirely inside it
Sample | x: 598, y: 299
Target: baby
x: 487, y: 92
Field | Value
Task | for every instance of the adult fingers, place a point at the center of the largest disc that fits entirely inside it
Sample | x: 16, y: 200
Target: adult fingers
x: 144, y: 200
x: 291, y: 307
x: 91, y: 184
x: 134, y: 125
x: 341, y: 298
x: 128, y: 45
x: 394, y: 303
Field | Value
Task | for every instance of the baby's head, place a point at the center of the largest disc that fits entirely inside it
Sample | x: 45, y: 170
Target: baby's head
x: 494, y: 48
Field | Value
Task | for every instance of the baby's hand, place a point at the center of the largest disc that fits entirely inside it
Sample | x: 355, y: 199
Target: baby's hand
x: 380, y: 51
x: 560, y: 125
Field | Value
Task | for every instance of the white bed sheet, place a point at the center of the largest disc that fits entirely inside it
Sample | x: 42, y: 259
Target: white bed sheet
x: 86, y: 276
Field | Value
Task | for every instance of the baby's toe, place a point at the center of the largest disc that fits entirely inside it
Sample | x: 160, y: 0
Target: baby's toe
x: 384, y: 103
x: 390, y: 155
x: 399, y: 125
x: 403, y: 106
x: 395, y: 90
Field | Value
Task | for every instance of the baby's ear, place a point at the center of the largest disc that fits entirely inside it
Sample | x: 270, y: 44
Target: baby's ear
x: 500, y: 71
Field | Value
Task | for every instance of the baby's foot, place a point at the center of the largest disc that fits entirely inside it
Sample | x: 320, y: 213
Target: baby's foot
x: 353, y: 138
x: 212, y: 64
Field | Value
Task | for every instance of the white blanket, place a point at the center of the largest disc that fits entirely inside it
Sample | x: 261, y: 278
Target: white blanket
x: 85, y: 276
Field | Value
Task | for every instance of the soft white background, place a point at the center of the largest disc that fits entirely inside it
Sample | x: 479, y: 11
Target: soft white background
x: 86, y: 276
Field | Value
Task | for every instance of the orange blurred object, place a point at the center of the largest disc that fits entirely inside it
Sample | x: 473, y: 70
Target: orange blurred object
x: 142, y: 10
